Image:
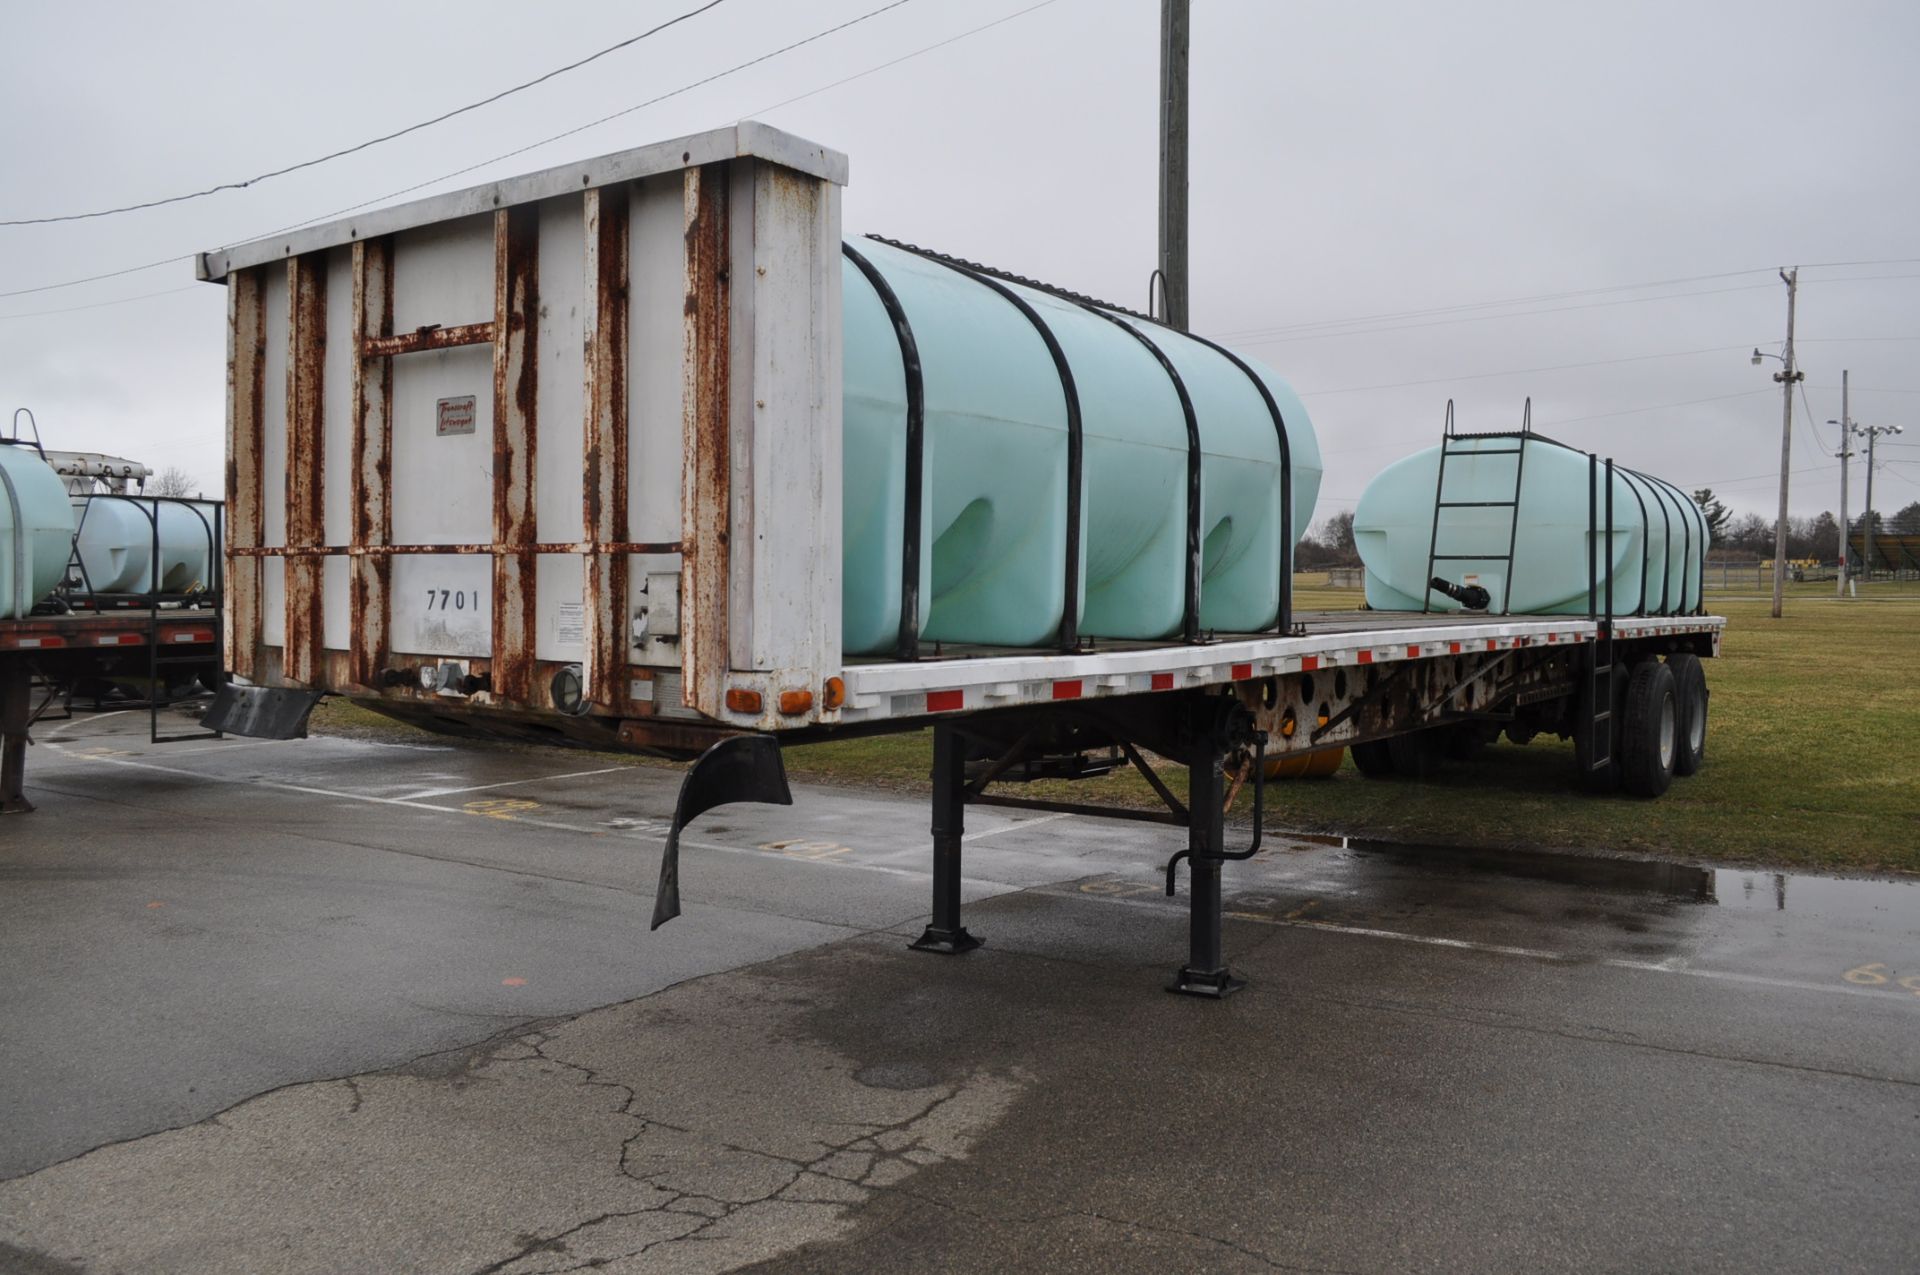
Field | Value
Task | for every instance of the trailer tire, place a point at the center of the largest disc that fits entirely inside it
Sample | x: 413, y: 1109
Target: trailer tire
x: 1373, y: 759
x: 1690, y: 693
x: 1650, y: 739
x: 1416, y: 754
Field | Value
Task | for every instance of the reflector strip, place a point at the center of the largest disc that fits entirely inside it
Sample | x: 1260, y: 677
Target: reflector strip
x: 1241, y: 672
x: 945, y: 701
x: 117, y: 639
x: 1308, y: 663
x: 1066, y: 690
x: 1366, y: 657
x: 1413, y: 652
x: 1163, y: 681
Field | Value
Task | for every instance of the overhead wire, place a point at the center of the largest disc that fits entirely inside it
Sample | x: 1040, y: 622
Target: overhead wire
x: 872, y: 13
x: 1524, y: 371
x: 604, y: 119
x: 357, y: 147
x: 905, y: 57
x: 101, y: 305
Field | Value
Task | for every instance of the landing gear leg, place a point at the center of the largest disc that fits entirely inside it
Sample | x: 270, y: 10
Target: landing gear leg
x: 944, y: 932
x: 16, y: 682
x: 1205, y: 973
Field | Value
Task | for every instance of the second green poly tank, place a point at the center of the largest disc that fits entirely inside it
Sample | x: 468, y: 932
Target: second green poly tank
x: 1530, y: 497
x: 996, y: 377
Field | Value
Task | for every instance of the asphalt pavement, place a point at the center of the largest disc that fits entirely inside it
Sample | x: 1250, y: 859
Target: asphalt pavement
x: 342, y: 1005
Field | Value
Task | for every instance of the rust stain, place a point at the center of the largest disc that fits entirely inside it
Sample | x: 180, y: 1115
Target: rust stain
x: 608, y: 212
x: 515, y: 334
x: 706, y: 489
x: 373, y: 461
x: 672, y: 737
x: 306, y: 458
x: 246, y: 396
x: 492, y: 548
x: 430, y: 337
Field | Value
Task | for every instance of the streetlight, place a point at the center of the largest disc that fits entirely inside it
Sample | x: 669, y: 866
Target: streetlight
x: 1871, y: 433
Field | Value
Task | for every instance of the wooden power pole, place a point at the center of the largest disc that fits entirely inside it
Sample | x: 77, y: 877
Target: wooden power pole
x: 1173, y: 161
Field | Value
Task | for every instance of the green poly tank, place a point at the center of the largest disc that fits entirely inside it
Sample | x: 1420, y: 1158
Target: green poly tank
x: 36, y: 531
x: 1001, y: 370
x: 1658, y: 542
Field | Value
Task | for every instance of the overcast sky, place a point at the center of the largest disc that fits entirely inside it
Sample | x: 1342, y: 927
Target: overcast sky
x: 1349, y: 161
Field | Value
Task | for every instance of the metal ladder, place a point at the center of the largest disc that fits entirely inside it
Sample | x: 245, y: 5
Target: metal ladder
x: 1449, y: 437
x: 1600, y: 689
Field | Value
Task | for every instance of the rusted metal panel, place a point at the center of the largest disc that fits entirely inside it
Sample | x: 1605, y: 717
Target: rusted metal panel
x: 706, y: 484
x: 516, y: 275
x: 373, y: 457
x: 488, y: 549
x: 306, y: 461
x: 246, y: 369
x: 604, y: 493
x: 432, y: 337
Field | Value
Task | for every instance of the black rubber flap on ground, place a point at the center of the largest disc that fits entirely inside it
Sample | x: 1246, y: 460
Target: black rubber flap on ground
x: 261, y: 712
x: 740, y: 768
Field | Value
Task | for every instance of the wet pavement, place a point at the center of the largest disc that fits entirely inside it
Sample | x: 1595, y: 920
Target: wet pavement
x: 336, y: 1005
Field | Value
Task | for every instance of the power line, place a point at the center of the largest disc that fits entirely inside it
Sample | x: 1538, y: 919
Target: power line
x: 1654, y: 407
x: 1484, y: 305
x: 652, y: 101
x: 101, y: 305
x: 1288, y: 339
x: 375, y: 141
x: 1312, y: 331
x: 1524, y: 371
x: 95, y: 278
x: 151, y: 265
x: 483, y: 163
x: 905, y: 57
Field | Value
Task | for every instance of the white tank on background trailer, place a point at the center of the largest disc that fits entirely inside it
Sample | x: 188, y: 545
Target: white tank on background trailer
x: 116, y: 536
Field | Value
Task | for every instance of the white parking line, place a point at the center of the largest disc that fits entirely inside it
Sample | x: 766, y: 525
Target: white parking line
x: 509, y: 783
x: 1014, y: 827
x: 984, y: 888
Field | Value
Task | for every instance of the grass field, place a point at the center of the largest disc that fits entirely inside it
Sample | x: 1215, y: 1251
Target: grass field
x: 1813, y: 756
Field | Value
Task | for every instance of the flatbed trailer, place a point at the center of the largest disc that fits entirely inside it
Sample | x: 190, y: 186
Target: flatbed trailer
x: 559, y: 458
x: 44, y: 657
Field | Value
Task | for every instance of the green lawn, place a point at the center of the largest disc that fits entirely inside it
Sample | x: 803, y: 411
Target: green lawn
x: 1813, y: 756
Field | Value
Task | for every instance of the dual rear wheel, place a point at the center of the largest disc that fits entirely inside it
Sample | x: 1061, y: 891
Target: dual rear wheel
x: 1658, y: 731
x: 1661, y: 724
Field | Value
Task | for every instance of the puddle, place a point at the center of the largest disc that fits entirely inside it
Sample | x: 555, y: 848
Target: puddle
x: 1674, y: 880
x: 1842, y: 900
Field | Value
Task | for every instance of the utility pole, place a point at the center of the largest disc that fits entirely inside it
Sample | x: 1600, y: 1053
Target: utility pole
x: 1173, y: 161
x: 1846, y: 437
x: 1787, y: 376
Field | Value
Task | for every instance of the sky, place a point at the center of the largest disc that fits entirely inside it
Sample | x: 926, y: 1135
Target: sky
x: 1393, y: 204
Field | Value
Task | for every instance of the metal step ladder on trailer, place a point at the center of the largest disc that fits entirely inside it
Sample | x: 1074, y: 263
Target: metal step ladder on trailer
x: 1598, y: 721
x: 1448, y: 438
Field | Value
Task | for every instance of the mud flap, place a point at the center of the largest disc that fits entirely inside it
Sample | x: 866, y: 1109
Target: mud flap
x: 261, y: 712
x: 741, y: 768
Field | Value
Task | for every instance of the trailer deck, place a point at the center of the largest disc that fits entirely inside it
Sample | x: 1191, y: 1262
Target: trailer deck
x: 973, y: 679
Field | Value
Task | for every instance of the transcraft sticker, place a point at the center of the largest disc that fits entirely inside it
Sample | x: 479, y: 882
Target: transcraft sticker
x: 454, y: 416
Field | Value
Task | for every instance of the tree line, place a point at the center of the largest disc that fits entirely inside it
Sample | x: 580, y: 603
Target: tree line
x: 1331, y: 544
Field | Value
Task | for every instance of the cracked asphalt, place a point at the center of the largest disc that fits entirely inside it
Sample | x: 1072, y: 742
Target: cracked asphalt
x: 336, y: 1005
